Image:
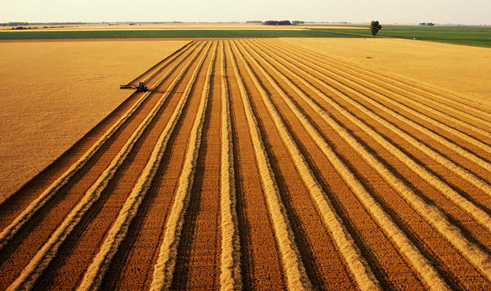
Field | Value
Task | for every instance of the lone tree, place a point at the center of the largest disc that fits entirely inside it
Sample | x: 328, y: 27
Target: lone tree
x: 375, y: 27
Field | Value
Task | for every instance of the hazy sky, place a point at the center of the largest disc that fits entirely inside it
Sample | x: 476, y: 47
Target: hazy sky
x: 386, y: 11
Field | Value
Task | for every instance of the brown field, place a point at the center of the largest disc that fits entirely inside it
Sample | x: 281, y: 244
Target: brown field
x: 252, y: 167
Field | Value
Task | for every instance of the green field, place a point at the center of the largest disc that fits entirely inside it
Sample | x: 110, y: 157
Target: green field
x: 466, y: 35
x: 35, y: 34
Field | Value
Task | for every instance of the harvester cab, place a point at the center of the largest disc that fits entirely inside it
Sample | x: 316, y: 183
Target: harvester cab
x: 141, y: 87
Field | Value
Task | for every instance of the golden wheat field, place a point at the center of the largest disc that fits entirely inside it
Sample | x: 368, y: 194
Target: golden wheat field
x: 263, y: 164
x: 54, y: 92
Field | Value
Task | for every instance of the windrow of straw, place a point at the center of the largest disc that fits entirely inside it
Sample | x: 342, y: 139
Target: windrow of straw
x: 95, y: 273
x: 166, y: 261
x: 471, y: 251
x: 356, y: 263
x: 295, y: 271
x: 404, y: 244
x: 480, y: 215
x: 436, y: 95
x: 230, y: 277
x: 369, y: 86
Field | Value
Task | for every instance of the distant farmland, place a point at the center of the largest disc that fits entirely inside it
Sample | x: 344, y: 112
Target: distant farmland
x: 467, y: 35
x: 99, y: 34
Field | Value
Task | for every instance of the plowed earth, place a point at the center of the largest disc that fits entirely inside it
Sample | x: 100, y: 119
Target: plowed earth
x: 247, y: 166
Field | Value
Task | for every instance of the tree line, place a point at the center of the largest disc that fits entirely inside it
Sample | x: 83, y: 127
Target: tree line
x: 282, y: 22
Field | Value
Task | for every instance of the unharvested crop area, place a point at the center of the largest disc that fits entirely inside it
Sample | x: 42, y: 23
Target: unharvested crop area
x: 58, y: 91
x: 248, y: 166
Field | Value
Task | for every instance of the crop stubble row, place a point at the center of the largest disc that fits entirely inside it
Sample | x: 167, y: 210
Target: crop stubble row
x: 249, y: 167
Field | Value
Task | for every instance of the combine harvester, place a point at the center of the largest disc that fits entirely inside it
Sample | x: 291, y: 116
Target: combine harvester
x: 139, y: 88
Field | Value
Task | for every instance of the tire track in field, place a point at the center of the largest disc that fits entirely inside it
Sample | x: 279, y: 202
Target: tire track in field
x: 478, y: 257
x: 44, y: 256
x: 424, y: 268
x: 345, y: 242
x: 7, y: 233
x: 295, y: 272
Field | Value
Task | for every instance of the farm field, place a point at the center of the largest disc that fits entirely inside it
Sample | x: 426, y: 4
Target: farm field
x: 57, y: 92
x: 454, y: 34
x: 461, y: 68
x: 180, y: 26
x: 248, y: 166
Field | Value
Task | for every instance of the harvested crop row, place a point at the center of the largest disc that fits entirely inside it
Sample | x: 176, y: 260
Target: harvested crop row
x: 230, y: 277
x: 425, y: 269
x: 164, y: 268
x: 259, y: 253
x: 419, y: 102
x: 351, y: 253
x: 132, y: 265
x: 433, y: 216
x: 295, y: 272
x: 337, y: 75
x: 356, y: 82
x: 479, y: 214
x: 439, y: 95
x: 97, y: 269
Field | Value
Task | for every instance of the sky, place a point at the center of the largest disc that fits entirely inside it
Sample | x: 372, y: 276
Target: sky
x: 470, y: 12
